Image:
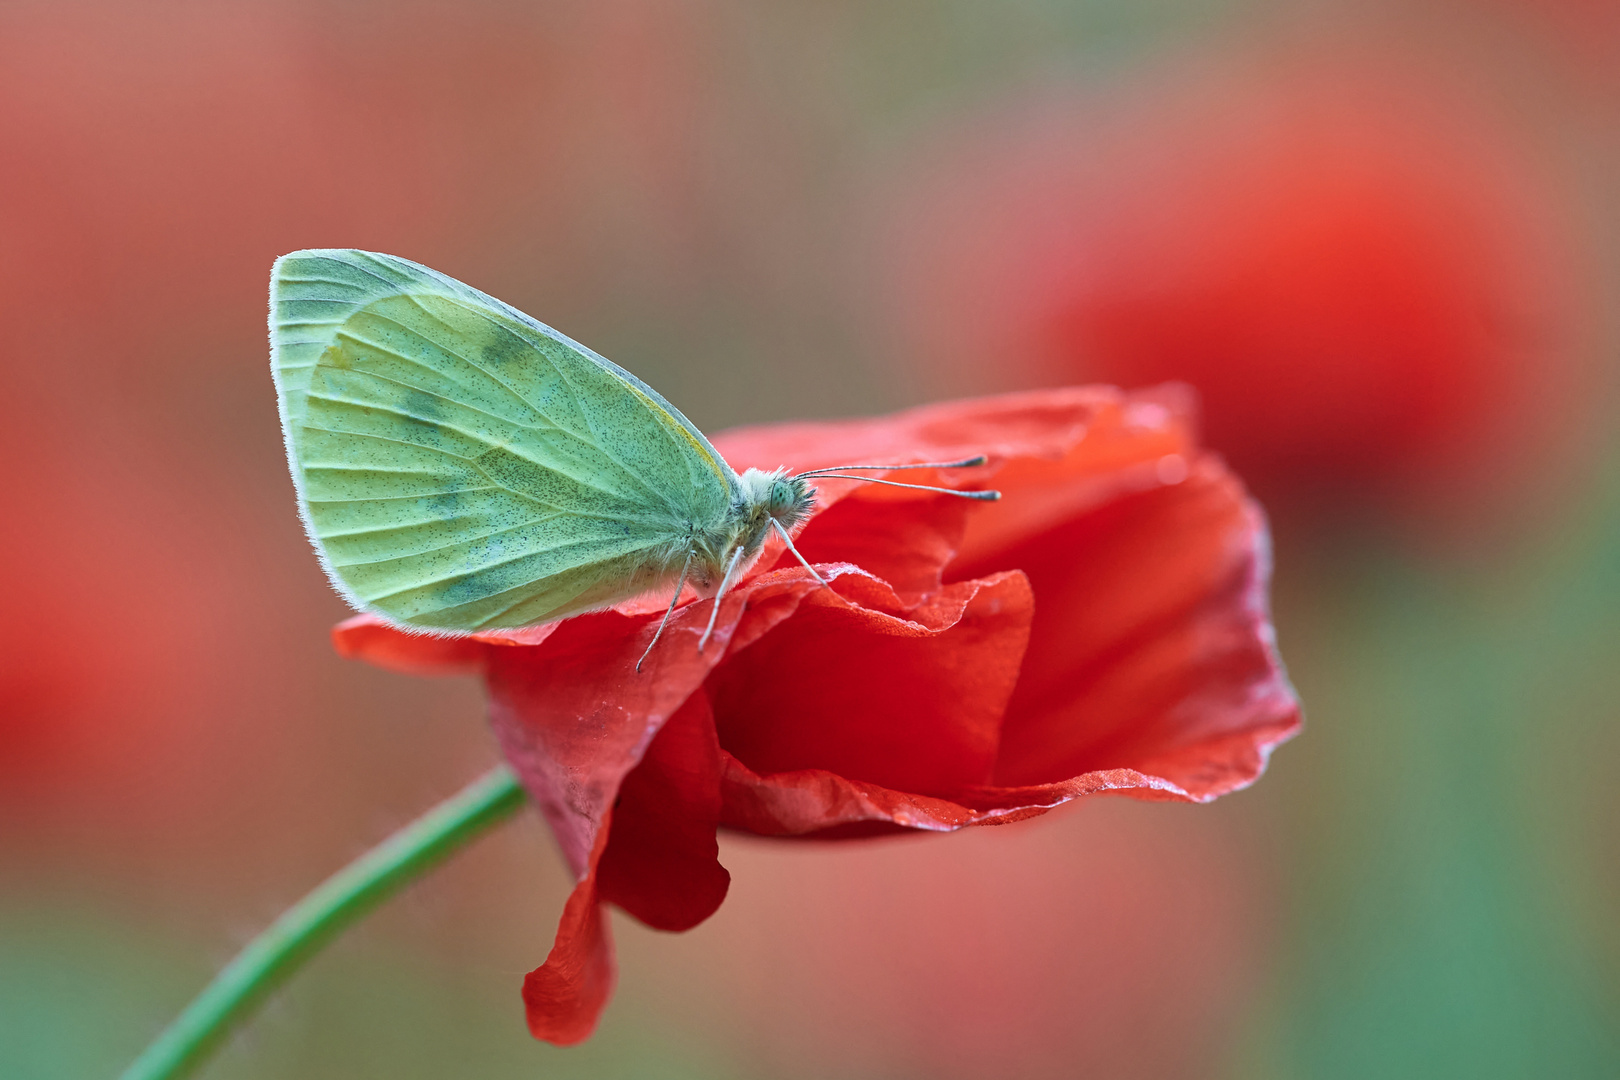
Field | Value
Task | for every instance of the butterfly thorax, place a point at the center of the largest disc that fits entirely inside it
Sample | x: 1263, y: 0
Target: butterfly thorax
x: 761, y: 499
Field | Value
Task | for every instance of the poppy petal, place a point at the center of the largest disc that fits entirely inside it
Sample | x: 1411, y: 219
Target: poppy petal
x: 377, y: 641
x: 910, y: 702
x: 564, y: 996
x: 1039, y: 423
x: 369, y: 638
x: 907, y: 545
x: 1152, y: 636
x: 662, y: 863
x: 574, y: 716
x: 815, y: 801
x: 1074, y: 462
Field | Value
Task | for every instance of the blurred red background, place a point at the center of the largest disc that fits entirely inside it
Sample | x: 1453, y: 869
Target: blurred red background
x: 1379, y: 243
x: 1373, y: 273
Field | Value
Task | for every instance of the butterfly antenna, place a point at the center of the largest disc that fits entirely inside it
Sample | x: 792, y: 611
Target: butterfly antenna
x: 982, y: 496
x: 965, y: 463
x: 719, y: 595
x: 679, y: 585
x: 840, y: 472
x: 788, y: 540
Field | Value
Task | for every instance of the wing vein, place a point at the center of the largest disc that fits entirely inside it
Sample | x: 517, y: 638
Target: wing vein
x: 314, y: 395
x: 340, y: 467
x: 322, y: 280
x: 423, y: 495
x: 529, y: 425
x: 393, y: 287
x: 385, y: 438
x: 487, y: 567
x: 454, y: 543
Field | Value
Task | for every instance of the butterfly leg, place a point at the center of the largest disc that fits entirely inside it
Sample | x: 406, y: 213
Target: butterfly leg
x: 788, y: 540
x: 679, y: 585
x: 720, y: 594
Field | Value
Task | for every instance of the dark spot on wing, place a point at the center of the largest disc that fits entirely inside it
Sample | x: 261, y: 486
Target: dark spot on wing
x: 464, y: 590
x: 501, y: 347
x: 424, y: 406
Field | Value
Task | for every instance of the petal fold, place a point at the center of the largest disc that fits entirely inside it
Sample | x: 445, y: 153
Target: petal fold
x: 662, y: 862
x: 564, y: 997
x: 910, y: 700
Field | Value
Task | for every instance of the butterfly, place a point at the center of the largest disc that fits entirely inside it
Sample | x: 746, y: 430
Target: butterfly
x: 462, y: 467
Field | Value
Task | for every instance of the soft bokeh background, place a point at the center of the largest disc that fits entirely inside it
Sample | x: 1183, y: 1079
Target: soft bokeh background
x: 1382, y: 239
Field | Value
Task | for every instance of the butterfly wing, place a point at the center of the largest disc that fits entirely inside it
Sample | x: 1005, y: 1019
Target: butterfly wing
x: 461, y: 466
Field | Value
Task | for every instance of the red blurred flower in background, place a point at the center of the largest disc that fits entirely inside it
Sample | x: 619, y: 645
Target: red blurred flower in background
x: 1102, y: 629
x: 1363, y: 269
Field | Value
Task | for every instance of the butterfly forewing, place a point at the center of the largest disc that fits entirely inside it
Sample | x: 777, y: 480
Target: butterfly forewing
x: 461, y: 466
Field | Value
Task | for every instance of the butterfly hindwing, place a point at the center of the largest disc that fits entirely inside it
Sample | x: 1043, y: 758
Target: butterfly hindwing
x: 461, y: 466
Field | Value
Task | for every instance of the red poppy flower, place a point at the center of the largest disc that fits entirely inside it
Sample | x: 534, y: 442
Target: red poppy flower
x: 1102, y: 629
x: 1368, y: 273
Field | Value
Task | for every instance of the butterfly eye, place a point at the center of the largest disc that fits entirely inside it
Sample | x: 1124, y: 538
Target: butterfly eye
x: 781, y: 495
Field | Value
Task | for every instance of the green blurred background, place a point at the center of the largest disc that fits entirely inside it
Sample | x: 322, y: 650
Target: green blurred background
x: 1380, y: 238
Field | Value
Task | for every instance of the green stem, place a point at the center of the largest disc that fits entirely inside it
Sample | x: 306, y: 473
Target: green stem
x: 309, y: 924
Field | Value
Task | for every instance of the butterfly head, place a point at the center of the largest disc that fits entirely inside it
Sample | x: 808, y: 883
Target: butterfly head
x: 790, y: 499
x: 768, y: 497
